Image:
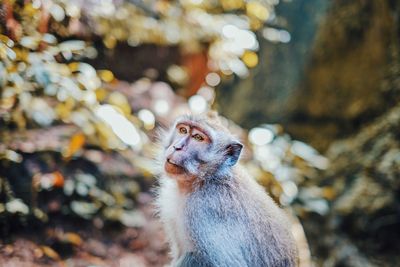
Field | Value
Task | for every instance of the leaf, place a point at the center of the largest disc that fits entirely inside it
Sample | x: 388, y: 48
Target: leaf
x: 58, y: 179
x: 133, y: 218
x: 51, y: 253
x: 38, y: 213
x: 57, y: 12
x: 11, y: 156
x: 72, y: 45
x: 84, y: 209
x: 76, y: 143
x: 17, y: 206
x: 29, y: 42
x: 106, y: 75
x: 73, y: 238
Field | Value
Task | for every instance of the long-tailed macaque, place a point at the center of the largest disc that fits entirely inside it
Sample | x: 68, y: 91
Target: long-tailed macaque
x: 214, y: 214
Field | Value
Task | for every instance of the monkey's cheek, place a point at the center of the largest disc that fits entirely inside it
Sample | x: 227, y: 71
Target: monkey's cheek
x: 173, y: 169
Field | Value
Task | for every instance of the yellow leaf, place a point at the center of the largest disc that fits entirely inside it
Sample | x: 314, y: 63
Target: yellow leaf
x: 73, y: 238
x: 232, y: 4
x: 101, y: 94
x: 110, y: 42
x: 250, y: 59
x: 106, y: 75
x: 74, y: 66
x: 119, y: 100
x: 329, y: 193
x: 258, y: 10
x: 51, y: 253
x: 75, y: 144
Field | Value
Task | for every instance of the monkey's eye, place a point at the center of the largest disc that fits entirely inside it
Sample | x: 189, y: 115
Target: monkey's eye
x: 198, y: 137
x: 182, y: 130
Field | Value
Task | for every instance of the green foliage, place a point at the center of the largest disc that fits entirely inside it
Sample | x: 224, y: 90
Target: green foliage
x: 71, y: 140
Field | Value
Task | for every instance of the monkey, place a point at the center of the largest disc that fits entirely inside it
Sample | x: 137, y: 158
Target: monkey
x: 215, y: 214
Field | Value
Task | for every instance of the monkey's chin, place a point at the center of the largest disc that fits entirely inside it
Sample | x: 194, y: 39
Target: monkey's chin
x: 172, y: 168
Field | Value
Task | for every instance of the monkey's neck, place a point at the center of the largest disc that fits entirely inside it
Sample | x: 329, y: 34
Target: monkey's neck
x: 187, y: 185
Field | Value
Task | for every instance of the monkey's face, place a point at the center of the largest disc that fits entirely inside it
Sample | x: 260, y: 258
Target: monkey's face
x: 197, y: 150
x: 188, y: 143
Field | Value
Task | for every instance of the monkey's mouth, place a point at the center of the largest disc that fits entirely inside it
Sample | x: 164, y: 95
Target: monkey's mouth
x: 172, y: 167
x: 169, y: 161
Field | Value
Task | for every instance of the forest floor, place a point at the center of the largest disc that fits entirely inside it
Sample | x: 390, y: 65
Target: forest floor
x: 87, y: 245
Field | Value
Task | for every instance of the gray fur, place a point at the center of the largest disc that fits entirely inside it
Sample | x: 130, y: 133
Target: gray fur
x: 192, y: 259
x: 230, y: 226
x: 229, y: 218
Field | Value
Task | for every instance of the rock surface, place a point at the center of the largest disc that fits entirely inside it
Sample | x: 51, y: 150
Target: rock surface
x: 329, y: 80
x: 362, y: 225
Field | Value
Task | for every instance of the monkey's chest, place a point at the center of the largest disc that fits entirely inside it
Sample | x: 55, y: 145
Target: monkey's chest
x: 172, y: 204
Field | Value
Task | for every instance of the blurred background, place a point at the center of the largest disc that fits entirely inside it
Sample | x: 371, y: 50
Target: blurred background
x: 311, y: 87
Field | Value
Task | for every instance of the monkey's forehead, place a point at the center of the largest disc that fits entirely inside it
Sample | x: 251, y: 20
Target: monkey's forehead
x: 212, y: 124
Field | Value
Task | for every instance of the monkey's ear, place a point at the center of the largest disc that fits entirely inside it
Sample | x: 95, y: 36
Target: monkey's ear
x: 232, y: 153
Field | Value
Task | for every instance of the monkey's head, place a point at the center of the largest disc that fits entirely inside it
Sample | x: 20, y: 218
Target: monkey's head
x: 200, y: 147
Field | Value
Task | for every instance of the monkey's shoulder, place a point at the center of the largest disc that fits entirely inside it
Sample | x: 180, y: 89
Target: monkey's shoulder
x: 241, y: 202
